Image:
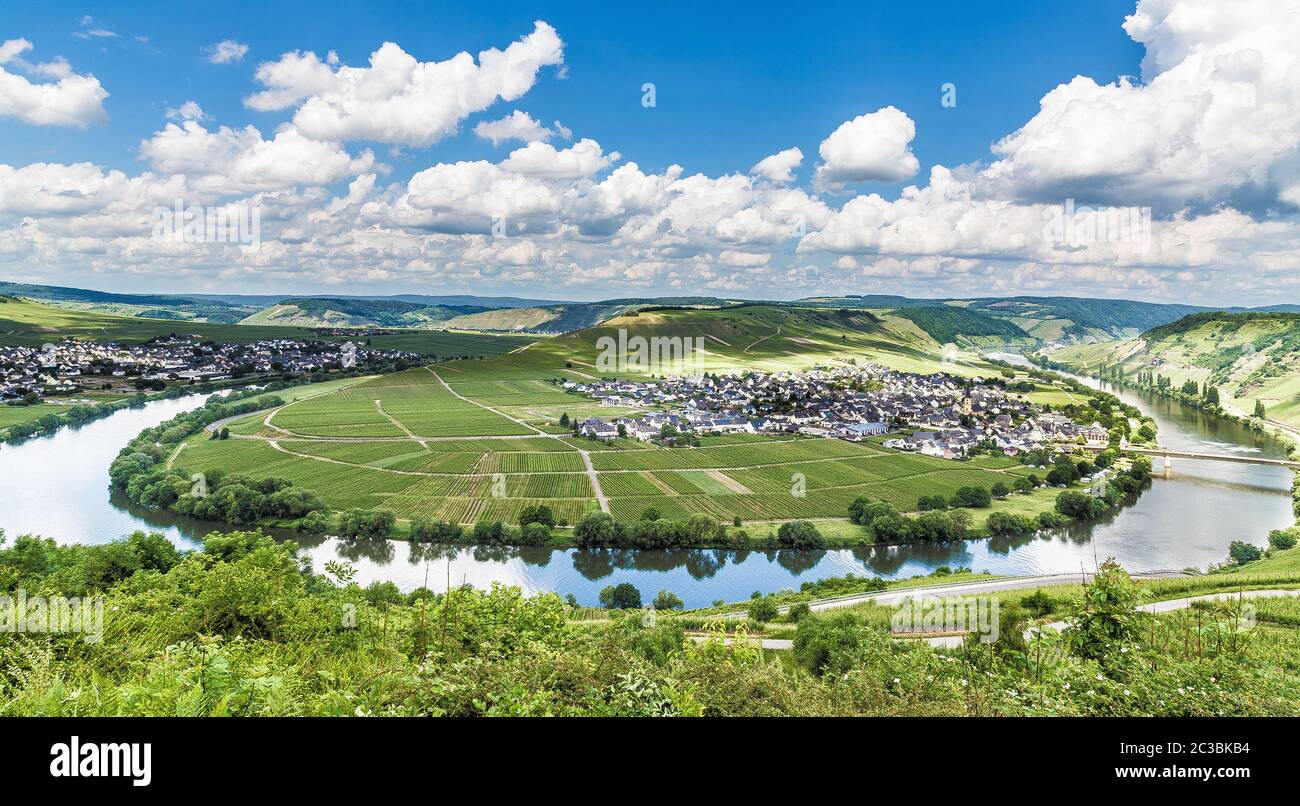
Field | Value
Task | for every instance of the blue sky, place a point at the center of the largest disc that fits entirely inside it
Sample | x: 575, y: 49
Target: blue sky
x: 734, y: 81
x: 891, y: 191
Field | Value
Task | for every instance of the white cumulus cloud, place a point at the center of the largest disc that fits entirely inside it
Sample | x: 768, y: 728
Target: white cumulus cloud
x: 397, y: 98
x: 517, y: 126
x: 780, y: 166
x: 69, y: 100
x: 871, y: 147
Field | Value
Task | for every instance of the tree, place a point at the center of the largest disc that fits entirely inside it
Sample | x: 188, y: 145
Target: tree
x: 597, y: 529
x: 1009, y: 523
x: 427, y: 530
x: 928, y: 503
x: 623, y: 596
x: 799, y: 535
x: 537, y: 513
x: 1000, y: 490
x: 857, y: 506
x: 1242, y: 553
x: 871, y: 510
x: 488, y: 533
x: 1259, y: 409
x: 972, y: 497
x: 535, y: 534
x: 650, y: 514
x: 667, y: 600
x: 1079, y: 505
x: 893, y: 528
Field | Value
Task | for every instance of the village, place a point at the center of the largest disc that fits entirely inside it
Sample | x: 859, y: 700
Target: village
x: 29, y: 373
x: 943, y: 416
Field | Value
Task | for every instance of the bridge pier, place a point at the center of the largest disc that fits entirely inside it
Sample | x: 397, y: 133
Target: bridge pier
x: 1169, y: 466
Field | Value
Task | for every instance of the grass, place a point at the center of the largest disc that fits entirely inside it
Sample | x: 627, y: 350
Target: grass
x: 12, y: 415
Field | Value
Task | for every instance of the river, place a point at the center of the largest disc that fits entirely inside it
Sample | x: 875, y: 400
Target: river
x: 58, y: 486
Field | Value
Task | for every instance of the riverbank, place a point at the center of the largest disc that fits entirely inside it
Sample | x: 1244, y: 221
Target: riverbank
x: 1286, y: 436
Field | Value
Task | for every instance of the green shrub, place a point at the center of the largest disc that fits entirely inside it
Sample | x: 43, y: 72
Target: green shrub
x: 763, y: 609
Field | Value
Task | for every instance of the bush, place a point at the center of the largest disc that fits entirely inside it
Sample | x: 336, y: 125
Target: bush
x: 763, y: 609
x: 798, y: 612
x: 1038, y: 603
x: 829, y: 645
x: 1000, y: 490
x: 1282, y: 539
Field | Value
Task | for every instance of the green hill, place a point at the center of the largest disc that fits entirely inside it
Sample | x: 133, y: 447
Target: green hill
x: 339, y: 312
x: 1050, y: 319
x: 1248, y: 356
x: 750, y: 336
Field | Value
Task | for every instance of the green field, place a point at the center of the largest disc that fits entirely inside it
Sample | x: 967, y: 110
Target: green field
x: 475, y: 448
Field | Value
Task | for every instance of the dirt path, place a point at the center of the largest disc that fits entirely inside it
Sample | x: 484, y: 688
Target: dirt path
x: 379, y: 407
x: 768, y: 336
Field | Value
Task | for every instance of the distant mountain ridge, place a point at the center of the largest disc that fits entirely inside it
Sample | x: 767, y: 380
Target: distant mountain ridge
x: 1011, y: 320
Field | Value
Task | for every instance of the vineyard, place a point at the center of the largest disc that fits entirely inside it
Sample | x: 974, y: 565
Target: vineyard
x: 467, y: 440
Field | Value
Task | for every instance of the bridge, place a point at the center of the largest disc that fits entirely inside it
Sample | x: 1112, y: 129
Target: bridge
x: 1169, y: 454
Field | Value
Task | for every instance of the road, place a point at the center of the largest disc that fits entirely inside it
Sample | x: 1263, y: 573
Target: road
x: 897, y: 595
x: 1166, y: 606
